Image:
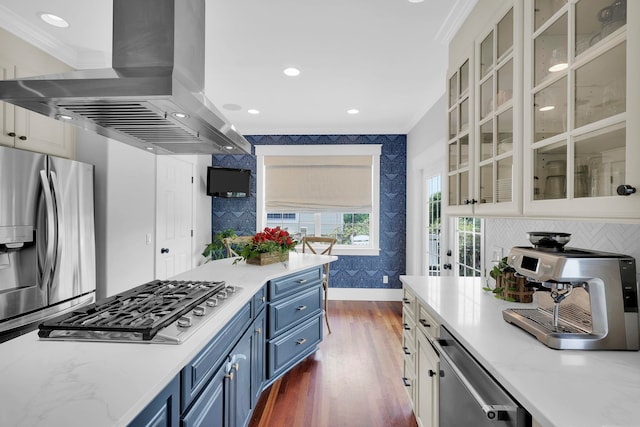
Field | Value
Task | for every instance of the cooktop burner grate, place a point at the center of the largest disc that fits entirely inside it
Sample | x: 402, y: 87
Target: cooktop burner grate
x: 140, y: 312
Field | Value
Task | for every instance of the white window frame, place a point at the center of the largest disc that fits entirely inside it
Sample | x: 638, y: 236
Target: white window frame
x: 374, y: 150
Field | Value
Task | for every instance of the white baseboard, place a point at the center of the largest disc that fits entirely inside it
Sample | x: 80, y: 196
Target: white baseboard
x: 365, y: 294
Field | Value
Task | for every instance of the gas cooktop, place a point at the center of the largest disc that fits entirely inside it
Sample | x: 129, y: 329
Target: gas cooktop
x: 166, y: 312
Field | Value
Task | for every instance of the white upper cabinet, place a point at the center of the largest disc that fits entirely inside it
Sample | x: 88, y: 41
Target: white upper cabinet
x: 25, y: 129
x: 580, y: 128
x: 485, y: 118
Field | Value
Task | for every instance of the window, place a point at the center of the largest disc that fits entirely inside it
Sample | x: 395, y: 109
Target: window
x: 434, y: 224
x: 469, y: 242
x: 321, y: 190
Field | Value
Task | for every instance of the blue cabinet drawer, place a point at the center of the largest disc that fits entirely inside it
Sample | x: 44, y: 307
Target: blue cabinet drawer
x: 281, y: 287
x: 291, y: 347
x: 294, y: 310
x: 197, y: 373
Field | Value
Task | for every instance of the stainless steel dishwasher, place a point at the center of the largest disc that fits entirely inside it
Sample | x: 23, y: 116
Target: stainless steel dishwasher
x: 469, y: 396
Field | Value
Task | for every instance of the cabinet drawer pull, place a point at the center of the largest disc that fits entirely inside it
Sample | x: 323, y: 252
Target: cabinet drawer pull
x: 301, y: 281
x: 301, y: 307
x: 229, y: 375
x: 406, y: 351
x: 406, y: 327
x: 259, y: 331
x: 301, y: 341
x: 11, y: 134
x: 406, y: 301
x: 425, y: 323
x: 406, y: 382
x: 432, y: 373
x: 22, y: 138
x: 262, y: 299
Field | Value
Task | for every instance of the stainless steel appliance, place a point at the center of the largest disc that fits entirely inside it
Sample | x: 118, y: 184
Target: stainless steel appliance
x: 153, y: 97
x: 158, y: 312
x: 591, y: 301
x: 469, y: 396
x: 47, y: 238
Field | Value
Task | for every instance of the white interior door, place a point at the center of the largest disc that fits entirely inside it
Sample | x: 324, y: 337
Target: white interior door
x: 174, y: 199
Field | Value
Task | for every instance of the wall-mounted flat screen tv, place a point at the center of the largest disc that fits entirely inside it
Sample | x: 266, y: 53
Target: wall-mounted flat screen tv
x: 228, y: 182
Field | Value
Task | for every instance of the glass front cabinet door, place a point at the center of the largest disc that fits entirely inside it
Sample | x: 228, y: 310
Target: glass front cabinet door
x: 485, y: 120
x: 581, y: 130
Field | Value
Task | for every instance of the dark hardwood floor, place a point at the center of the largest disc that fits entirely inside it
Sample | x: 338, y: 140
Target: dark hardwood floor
x: 354, y: 379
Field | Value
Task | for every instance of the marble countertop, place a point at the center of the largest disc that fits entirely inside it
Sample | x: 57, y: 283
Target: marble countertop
x: 68, y: 383
x: 560, y: 388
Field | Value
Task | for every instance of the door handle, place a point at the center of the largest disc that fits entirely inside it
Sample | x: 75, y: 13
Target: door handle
x: 164, y: 250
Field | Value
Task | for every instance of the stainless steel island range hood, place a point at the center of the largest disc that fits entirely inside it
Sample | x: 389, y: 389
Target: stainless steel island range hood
x: 153, y: 96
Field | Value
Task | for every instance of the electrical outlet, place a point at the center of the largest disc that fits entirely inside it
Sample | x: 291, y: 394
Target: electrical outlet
x: 497, y: 254
x: 385, y: 279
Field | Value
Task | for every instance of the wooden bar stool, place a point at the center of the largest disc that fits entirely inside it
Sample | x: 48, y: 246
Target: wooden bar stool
x: 236, y: 243
x: 321, y: 246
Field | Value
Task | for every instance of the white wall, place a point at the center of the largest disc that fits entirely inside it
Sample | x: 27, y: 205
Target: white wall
x: 125, y: 212
x: 125, y: 204
x: 425, y: 158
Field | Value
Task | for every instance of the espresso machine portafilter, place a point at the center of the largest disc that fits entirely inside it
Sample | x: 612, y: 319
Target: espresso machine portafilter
x: 591, y: 301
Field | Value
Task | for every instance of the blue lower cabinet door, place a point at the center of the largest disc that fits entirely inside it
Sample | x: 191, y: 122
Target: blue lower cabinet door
x: 164, y: 410
x: 209, y: 408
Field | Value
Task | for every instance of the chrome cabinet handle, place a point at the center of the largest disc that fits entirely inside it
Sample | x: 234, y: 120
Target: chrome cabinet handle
x: 301, y: 341
x: 301, y: 281
x: 492, y: 412
x: 262, y: 299
x: 301, y: 307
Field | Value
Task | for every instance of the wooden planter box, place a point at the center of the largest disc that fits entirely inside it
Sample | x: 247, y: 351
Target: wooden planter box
x: 514, y: 288
x: 269, y: 258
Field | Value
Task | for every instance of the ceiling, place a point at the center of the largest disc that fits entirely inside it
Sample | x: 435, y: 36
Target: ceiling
x: 385, y: 58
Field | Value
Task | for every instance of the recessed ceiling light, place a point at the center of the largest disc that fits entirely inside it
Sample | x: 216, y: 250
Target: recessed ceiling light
x: 291, y: 72
x: 253, y: 111
x: 54, y: 20
x: 547, y: 108
x: 416, y: 1
x: 558, y: 67
x: 63, y: 117
x: 232, y: 107
x: 150, y: 148
x: 228, y: 147
x: 181, y: 115
x: 353, y: 111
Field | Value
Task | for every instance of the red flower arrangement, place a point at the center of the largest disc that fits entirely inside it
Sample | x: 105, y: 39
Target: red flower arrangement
x: 271, y: 240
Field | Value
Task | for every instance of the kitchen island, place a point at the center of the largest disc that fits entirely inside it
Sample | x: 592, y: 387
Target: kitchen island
x: 562, y: 388
x: 70, y: 383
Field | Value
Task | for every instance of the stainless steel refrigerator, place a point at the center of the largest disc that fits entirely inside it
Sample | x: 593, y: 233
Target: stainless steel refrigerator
x: 47, y: 238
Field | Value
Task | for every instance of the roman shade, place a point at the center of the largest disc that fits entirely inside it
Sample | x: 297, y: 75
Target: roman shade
x: 318, y: 183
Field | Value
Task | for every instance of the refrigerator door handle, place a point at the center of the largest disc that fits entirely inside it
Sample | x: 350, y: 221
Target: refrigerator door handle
x: 48, y: 198
x: 59, y: 223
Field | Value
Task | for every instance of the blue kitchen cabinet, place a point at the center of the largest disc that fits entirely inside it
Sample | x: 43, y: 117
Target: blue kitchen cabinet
x: 164, y: 410
x: 258, y: 357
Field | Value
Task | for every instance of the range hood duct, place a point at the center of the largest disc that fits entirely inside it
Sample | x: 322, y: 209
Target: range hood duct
x: 153, y: 96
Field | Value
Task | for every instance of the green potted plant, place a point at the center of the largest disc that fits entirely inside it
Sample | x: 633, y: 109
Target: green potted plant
x: 216, y: 249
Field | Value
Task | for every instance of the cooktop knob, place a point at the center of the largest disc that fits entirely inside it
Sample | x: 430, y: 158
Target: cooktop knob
x: 199, y: 310
x: 184, y: 322
x: 212, y: 302
x: 231, y: 288
x: 222, y: 294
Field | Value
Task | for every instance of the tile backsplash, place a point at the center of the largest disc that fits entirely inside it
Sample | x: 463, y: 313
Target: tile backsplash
x: 505, y: 233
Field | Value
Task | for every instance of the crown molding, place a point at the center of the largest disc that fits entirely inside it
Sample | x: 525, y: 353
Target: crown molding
x: 17, y: 25
x: 452, y: 23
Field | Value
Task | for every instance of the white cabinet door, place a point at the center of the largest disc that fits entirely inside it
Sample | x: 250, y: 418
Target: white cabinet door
x: 37, y: 132
x: 7, y: 121
x: 428, y: 374
x: 581, y: 130
x: 174, y: 207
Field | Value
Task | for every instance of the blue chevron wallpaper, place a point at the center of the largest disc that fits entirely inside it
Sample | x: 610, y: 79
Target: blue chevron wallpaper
x: 348, y: 271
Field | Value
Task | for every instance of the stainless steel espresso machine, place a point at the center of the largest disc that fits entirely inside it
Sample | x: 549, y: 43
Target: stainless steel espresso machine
x: 591, y: 298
